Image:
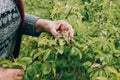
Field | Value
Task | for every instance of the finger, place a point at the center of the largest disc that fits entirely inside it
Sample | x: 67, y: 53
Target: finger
x: 69, y: 28
x: 71, y: 38
x: 63, y: 27
x: 19, y: 78
x: 54, y: 32
x: 72, y: 33
x: 20, y: 72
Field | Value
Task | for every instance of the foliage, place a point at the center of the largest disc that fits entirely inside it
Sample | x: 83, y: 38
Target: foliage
x: 95, y: 53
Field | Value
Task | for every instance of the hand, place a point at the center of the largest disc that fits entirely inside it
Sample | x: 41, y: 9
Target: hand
x: 11, y: 74
x: 54, y: 26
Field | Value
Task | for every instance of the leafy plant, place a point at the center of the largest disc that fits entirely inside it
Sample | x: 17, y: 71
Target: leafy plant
x: 94, y: 55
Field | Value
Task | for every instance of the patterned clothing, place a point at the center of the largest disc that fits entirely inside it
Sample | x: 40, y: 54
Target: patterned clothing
x: 9, y: 23
x: 11, y: 26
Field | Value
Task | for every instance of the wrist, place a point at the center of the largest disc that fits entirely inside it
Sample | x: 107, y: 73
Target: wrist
x: 40, y: 25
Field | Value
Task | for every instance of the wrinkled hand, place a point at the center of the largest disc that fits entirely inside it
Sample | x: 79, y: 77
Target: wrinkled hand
x: 54, y: 26
x: 11, y: 74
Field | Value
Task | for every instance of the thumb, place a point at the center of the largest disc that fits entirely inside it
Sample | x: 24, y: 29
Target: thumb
x: 54, y: 32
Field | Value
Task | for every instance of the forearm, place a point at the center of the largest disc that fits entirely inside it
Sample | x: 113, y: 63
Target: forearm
x: 34, y: 26
x: 41, y: 25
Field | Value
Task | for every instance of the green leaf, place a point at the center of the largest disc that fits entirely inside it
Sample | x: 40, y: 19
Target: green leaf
x: 112, y: 45
x: 52, y: 42
x: 5, y: 62
x: 117, y: 53
x: 25, y: 60
x: 9, y: 64
x: 72, y: 50
x: 32, y: 53
x: 87, y: 63
x: 38, y: 53
x: 102, y: 56
x: 60, y: 49
x: 77, y: 44
x: 54, y: 71
x: 46, y: 68
x: 118, y: 76
x: 94, y: 75
x: 46, y: 54
x: 61, y: 42
x: 112, y: 69
x: 43, y: 41
x: 101, y: 78
x: 16, y: 66
x: 77, y: 51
